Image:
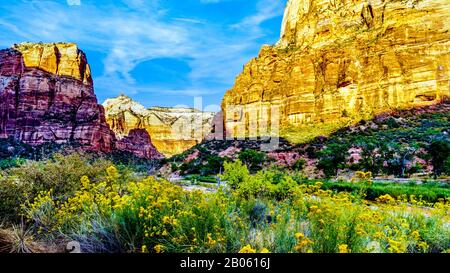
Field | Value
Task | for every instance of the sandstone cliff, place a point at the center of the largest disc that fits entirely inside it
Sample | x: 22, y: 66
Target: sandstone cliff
x: 341, y: 61
x: 173, y: 130
x: 139, y: 143
x: 47, y: 95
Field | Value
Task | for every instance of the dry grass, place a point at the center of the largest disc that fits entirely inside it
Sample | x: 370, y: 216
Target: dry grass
x: 19, y: 239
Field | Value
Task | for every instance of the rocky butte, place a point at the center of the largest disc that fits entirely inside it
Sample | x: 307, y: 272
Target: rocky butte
x: 173, y: 130
x: 47, y: 95
x: 138, y: 142
x: 341, y: 61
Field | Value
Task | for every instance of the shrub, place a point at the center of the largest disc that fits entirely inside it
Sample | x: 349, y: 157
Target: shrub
x: 149, y: 215
x: 332, y: 158
x: 371, y: 159
x: 430, y: 193
x: 214, y: 165
x: 254, y: 160
x: 257, y: 186
x: 61, y: 174
x: 192, y: 167
x: 440, y: 153
x: 153, y: 215
x: 235, y: 173
x: 11, y: 163
x: 205, y: 164
x: 299, y: 164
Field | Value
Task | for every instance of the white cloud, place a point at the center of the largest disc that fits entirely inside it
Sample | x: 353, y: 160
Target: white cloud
x: 266, y: 9
x: 190, y: 20
x: 74, y: 2
x: 129, y: 38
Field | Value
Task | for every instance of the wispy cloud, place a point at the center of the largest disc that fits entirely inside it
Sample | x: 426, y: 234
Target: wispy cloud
x: 74, y: 2
x: 266, y: 9
x: 137, y: 31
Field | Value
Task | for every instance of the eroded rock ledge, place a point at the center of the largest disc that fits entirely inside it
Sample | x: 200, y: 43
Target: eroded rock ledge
x: 47, y: 95
x: 173, y: 130
x: 338, y: 62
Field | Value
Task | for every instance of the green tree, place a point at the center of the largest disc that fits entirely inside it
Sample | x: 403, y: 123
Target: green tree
x: 371, y: 159
x: 299, y: 165
x: 440, y: 152
x: 235, y: 173
x: 254, y: 160
x: 333, y: 158
x: 214, y: 165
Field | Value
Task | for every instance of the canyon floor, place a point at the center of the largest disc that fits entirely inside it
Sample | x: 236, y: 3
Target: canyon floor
x: 378, y: 186
x: 335, y: 139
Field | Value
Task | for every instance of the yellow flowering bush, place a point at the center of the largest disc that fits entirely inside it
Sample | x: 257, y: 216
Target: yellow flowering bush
x: 247, y: 249
x: 60, y: 173
x: 343, y: 248
x: 303, y: 243
x: 159, y: 215
x: 261, y: 212
x: 386, y: 199
x: 359, y: 175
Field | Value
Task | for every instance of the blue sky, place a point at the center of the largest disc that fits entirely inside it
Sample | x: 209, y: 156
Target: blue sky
x: 159, y: 52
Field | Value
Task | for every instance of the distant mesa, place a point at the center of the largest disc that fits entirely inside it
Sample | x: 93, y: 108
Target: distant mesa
x: 173, y: 130
x: 336, y: 63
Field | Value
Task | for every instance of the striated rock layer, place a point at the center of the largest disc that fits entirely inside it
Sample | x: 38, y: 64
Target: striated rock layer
x: 47, y: 95
x: 173, y: 130
x: 139, y: 143
x: 341, y: 61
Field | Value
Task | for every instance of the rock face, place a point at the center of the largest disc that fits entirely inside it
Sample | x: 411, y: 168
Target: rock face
x: 139, y: 143
x: 173, y: 130
x: 341, y: 61
x: 47, y: 95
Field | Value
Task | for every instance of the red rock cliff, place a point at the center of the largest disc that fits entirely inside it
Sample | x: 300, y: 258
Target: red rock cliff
x: 139, y: 143
x: 47, y: 95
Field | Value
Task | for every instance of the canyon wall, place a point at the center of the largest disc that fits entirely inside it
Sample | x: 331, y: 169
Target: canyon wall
x: 340, y: 61
x: 173, y: 130
x: 47, y: 95
x: 139, y: 143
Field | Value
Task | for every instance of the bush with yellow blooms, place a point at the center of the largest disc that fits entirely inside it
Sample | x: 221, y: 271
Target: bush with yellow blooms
x: 263, y: 213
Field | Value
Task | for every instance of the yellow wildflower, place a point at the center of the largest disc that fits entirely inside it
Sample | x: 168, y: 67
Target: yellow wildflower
x: 247, y: 249
x: 264, y: 250
x: 166, y: 219
x: 112, y: 172
x: 343, y: 248
x: 85, y: 182
x: 299, y: 235
x: 386, y: 199
x: 211, y: 241
x: 158, y: 248
x: 423, y: 246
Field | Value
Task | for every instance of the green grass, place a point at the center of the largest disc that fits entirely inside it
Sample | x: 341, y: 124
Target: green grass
x: 200, y: 178
x: 299, y: 135
x: 429, y: 192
